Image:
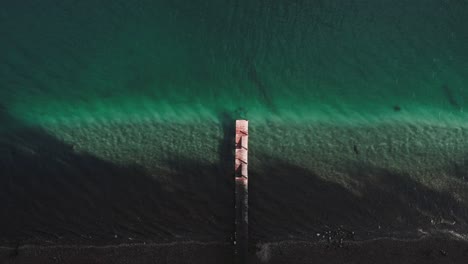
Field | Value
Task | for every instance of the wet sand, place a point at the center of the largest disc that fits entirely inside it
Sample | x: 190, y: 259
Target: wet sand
x: 431, y: 249
x: 378, y: 251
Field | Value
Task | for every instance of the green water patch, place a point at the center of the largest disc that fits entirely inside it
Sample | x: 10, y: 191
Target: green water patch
x: 77, y: 63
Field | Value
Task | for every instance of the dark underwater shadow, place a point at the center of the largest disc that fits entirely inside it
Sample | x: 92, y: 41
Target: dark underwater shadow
x: 53, y: 194
x: 290, y: 202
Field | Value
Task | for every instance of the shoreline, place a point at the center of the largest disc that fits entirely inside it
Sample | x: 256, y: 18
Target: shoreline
x: 427, y: 249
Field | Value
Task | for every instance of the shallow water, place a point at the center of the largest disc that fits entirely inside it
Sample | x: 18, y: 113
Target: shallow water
x: 115, y: 117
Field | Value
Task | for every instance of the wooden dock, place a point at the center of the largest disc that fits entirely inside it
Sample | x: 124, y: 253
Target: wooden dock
x: 241, y: 192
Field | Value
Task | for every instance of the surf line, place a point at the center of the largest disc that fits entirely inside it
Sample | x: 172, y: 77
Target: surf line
x: 241, y: 235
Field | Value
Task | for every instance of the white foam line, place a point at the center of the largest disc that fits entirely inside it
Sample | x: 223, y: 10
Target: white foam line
x: 123, y: 245
x: 425, y: 236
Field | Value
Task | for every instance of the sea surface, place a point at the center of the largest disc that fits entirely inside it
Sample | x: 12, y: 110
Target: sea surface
x: 116, y: 119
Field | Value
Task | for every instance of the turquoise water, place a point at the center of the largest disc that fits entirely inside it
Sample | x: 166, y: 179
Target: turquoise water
x: 360, y: 105
x: 332, y: 61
